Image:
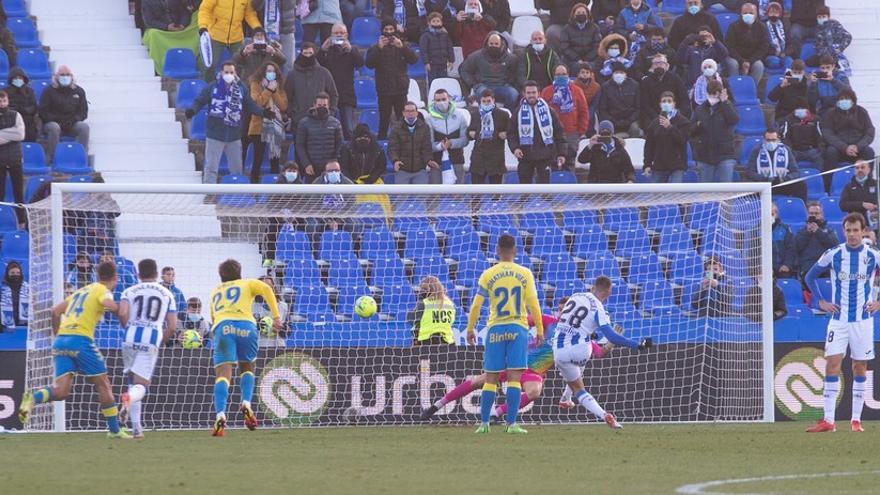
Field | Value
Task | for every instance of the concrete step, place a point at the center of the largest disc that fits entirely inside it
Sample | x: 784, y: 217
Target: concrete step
x: 144, y: 165
x: 161, y: 177
x: 90, y: 66
x: 132, y: 115
x: 53, y: 22
x: 132, y: 131
x: 85, y: 8
x: 122, y: 98
x: 57, y: 37
x: 169, y: 147
x: 133, y: 87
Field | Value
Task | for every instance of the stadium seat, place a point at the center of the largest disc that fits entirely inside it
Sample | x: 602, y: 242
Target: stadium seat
x: 725, y: 20
x: 39, y: 86
x: 237, y: 200
x: 563, y: 177
x: 548, y: 241
x: 199, y: 126
x: 617, y: 218
x: 180, y: 63
x: 791, y: 289
x: 662, y: 216
x: 80, y: 179
x: 519, y: 8
x: 293, y: 245
x: 378, y: 244
x: 33, y: 159
x: 839, y: 180
x: 421, y: 244
x: 451, y: 85
x: 365, y: 31
x: 751, y: 121
x: 71, y: 158
x: 831, y: 209
x: 417, y: 69
x: 674, y: 7
x: 371, y: 118
x: 365, y: 93
x: 432, y: 266
x: 34, y: 63
x: 656, y: 294
x: 8, y: 220
x: 559, y: 268
x: 685, y: 268
x: 532, y: 222
x: 579, y: 220
x: 24, y: 31
x: 347, y: 274
x: 792, y: 210
x: 644, y: 267
x: 703, y: 215
x: 187, y: 91
x: 414, y: 94
x: 469, y: 271
x: 313, y: 304
x: 15, y: 8
x: 16, y: 245
x: 336, y: 244
x: 631, y: 241
x: 301, y: 273
x: 772, y: 83
x: 815, y: 184
x: 675, y: 239
x: 587, y: 242
x: 462, y: 243
x: 749, y: 144
x: 398, y: 300
x: 605, y: 265
x: 522, y: 29
x: 34, y: 183
x: 387, y: 272
x: 808, y: 49
x: 4, y: 67
x: 744, y: 90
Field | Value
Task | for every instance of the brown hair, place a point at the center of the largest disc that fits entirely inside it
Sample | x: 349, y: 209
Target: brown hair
x: 431, y: 288
x: 602, y: 283
x: 107, y: 270
x: 230, y: 270
x: 577, y: 6
x: 855, y: 217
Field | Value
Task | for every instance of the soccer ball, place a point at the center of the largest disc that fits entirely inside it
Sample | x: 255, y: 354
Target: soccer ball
x: 266, y: 326
x: 365, y: 306
x: 192, y: 339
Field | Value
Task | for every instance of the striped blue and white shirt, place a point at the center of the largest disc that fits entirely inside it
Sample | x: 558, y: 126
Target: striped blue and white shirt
x: 852, y: 278
x: 149, y: 303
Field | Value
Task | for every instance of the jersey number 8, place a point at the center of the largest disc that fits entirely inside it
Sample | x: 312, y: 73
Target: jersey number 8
x: 231, y: 294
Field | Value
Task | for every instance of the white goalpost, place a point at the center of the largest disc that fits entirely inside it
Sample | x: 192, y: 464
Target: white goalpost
x: 330, y: 244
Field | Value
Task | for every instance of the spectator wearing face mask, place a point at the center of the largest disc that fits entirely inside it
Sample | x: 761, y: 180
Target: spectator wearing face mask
x: 290, y: 175
x: 713, y: 135
x: 410, y: 148
x: 802, y: 133
x: 332, y: 174
x: 635, y: 21
x: 472, y: 27
x: 804, y: 19
x: 192, y: 319
x: 694, y: 20
x: 775, y: 163
x: 658, y: 81
x: 536, y: 137
x: 713, y: 295
x: 569, y: 103
x: 608, y: 159
x: 435, y: 45
x: 860, y: 195
x: 748, y: 44
x: 321, y: 19
x: 560, y: 13
x: 449, y: 126
x: 254, y: 55
x: 813, y: 239
x: 409, y: 16
x: 23, y: 100
x: 620, y: 103
x: 318, y: 138
x: 579, y: 39
x: 363, y: 160
x: 267, y: 134
x: 825, y: 84
x: 537, y: 62
x: 694, y: 53
x: 14, y: 297
x: 656, y: 45
x: 792, y: 89
x: 831, y: 37
x: 666, y: 142
x: 699, y: 92
x: 848, y: 132
x: 11, y: 136
x: 390, y: 58
x: 63, y: 110
x: 342, y: 60
x: 488, y: 130
x: 492, y: 67
x: 304, y: 82
x: 784, y: 257
x: 782, y: 48
x: 586, y: 80
x: 613, y: 52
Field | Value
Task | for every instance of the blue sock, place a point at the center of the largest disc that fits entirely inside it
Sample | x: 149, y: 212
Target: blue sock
x: 514, y: 391
x: 487, y: 401
x: 43, y: 395
x: 111, y: 414
x: 221, y: 394
x: 247, y: 385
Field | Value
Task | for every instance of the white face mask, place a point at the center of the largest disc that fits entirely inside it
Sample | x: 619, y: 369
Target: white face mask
x: 713, y: 100
x: 539, y: 47
x: 229, y: 78
x: 709, y: 72
x: 619, y: 77
x: 613, y: 52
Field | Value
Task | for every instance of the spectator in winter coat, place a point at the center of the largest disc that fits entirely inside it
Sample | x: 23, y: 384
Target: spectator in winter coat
x: 713, y: 295
x: 321, y: 19
x: 274, y: 224
x: 339, y: 57
x: 492, y: 67
x: 607, y: 156
x: 699, y: 92
x: 831, y: 37
x: 569, y: 103
x: 410, y: 148
x: 82, y: 273
x: 713, y: 135
x: 23, y: 100
x: 605, y: 12
x: 167, y: 15
x: 636, y: 20
x: 536, y: 137
x: 696, y: 50
x: 63, y: 110
x: 436, y: 48
x: 11, y: 136
x: 304, y: 82
x: 488, y: 130
x: 14, y: 297
x: 814, y: 239
x: 267, y: 90
x: 824, y: 85
x: 848, y: 132
x: 752, y: 307
x: 666, y: 138
x: 804, y: 19
x: 410, y: 17
x: 579, y: 39
x: 784, y: 256
x: 498, y: 12
x: 363, y: 160
x: 225, y: 98
x: 537, y: 63
x: 222, y: 20
x: 802, y: 134
x: 560, y: 13
x: 860, y: 195
x: 318, y: 138
x: 792, y: 89
x: 774, y: 162
x: 390, y: 58
x: 449, y: 137
x: 168, y: 279
x: 748, y: 44
x: 658, y: 81
x: 612, y: 50
x: 620, y: 103
x: 586, y: 80
x: 253, y: 55
x: 656, y: 45
x: 692, y: 22
x: 472, y: 28
x: 782, y: 48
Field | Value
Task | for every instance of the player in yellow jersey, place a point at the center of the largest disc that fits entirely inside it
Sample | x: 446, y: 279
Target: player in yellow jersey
x: 74, y: 350
x: 510, y: 289
x: 236, y: 338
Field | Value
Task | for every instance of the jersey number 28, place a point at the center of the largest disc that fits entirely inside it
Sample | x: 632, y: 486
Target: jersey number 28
x: 572, y: 314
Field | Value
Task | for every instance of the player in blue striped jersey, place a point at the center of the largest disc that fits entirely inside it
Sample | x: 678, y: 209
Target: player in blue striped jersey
x: 853, y: 268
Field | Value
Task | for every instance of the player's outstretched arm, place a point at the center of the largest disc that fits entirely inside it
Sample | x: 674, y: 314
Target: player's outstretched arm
x: 57, y: 311
x: 617, y: 339
x: 260, y: 288
x: 109, y: 304
x: 534, y: 308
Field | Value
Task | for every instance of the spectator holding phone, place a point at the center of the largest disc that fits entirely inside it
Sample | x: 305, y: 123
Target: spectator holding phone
x: 792, y: 88
x: 824, y: 85
x: 713, y: 295
x: 666, y: 143
x: 608, y: 159
x: 814, y: 239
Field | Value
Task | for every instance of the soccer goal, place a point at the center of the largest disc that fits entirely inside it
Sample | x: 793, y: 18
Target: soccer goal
x: 662, y: 246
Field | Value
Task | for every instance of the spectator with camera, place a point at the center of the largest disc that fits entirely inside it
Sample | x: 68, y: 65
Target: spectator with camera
x: 714, y: 136
x: 713, y: 295
x: 409, y: 16
x: 488, y: 130
x: 607, y: 156
x: 666, y: 142
x: 579, y: 39
x: 471, y: 27
x: 660, y: 79
x: 260, y: 50
x: 492, y: 67
x: 389, y: 57
x: 814, y: 239
x: 784, y: 256
x: 860, y: 194
x: 792, y: 89
x: 698, y: 49
x: 339, y: 57
x: 801, y: 132
x: 694, y: 20
x: 825, y: 84
x: 848, y: 132
x: 774, y: 162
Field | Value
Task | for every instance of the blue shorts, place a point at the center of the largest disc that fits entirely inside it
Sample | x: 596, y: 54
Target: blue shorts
x: 235, y: 341
x: 74, y: 354
x: 507, y: 348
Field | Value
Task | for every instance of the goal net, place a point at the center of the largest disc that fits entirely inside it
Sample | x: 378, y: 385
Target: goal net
x: 711, y: 326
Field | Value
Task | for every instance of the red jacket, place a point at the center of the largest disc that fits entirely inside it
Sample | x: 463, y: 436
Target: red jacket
x: 576, y: 122
x: 471, y: 35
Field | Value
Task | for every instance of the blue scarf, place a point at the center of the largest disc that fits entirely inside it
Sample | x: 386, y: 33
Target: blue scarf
x: 487, y: 124
x: 699, y: 93
x: 272, y: 19
x: 226, y: 102
x: 608, y: 147
x: 6, y: 304
x: 777, y: 35
x: 527, y: 124
x: 775, y: 168
x: 562, y: 97
x: 400, y: 11
x: 606, y: 67
x: 634, y: 47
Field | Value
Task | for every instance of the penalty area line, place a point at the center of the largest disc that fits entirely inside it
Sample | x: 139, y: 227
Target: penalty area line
x: 700, y: 488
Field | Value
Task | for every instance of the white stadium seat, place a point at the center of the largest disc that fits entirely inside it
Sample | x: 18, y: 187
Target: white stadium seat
x: 451, y: 86
x: 636, y: 149
x: 523, y: 27
x: 522, y: 7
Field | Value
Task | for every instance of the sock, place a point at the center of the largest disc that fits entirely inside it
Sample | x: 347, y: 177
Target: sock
x: 832, y: 387
x: 135, y: 409
x: 514, y: 392
x: 247, y: 387
x: 585, y: 399
x: 111, y: 414
x: 524, y: 400
x: 221, y: 394
x: 487, y: 400
x: 136, y: 392
x: 458, y: 392
x: 566, y: 394
x: 858, y: 397
x: 43, y: 395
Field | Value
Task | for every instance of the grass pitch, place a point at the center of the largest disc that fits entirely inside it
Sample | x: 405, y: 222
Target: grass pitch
x: 642, y: 459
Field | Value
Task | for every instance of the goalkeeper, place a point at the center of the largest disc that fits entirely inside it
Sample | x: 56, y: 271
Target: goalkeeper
x: 434, y: 315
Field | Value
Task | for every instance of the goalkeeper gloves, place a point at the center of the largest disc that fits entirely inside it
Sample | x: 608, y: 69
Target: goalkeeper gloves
x: 646, y: 343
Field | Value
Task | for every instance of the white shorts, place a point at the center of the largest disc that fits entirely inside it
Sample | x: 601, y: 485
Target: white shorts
x: 858, y: 336
x: 570, y: 360
x: 139, y: 359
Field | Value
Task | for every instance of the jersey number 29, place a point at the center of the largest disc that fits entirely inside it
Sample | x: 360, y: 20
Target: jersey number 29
x: 231, y: 294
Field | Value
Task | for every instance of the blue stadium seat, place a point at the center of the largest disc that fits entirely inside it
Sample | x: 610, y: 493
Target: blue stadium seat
x: 675, y: 239
x: 4, y: 67
x: 632, y: 240
x: 421, y: 244
x: 469, y: 271
x: 578, y: 220
x: 691, y: 177
x: 187, y: 91
x: 815, y: 184
x: 772, y: 83
x: 15, y: 8
x: 559, y: 268
x: 685, y: 268
x: 417, y: 70
x: 463, y: 242
x: 751, y: 121
x: 336, y: 244
x: 39, y: 86
x: 533, y: 222
x: 34, y: 183
x: 371, y: 118
x: 365, y: 93
x: 24, y: 31
x: 365, y: 71
x: 452, y: 223
x: 548, y: 241
x: 674, y: 7
x: 656, y: 294
x: 563, y: 177
x: 365, y: 31
x: 839, y: 180
x: 180, y: 63
x: 808, y: 49
x: 80, y: 179
x: 662, y: 216
x: 617, y: 218
x: 237, y: 200
x: 397, y: 300
x: 791, y: 289
x: 588, y: 242
x: 33, y: 159
x: 831, y: 208
x: 511, y: 178
x: 644, y: 268
x: 744, y: 90
x: 432, y: 266
x: 8, y: 220
x: 791, y: 210
x: 16, y: 245
x: 748, y: 145
x: 293, y: 245
x: 313, y: 304
x: 602, y: 266
x: 298, y: 31
x: 291, y: 152
x: 378, y: 244
x: 346, y: 273
x: 388, y: 271
x: 71, y: 158
x: 724, y: 22
x: 199, y: 126
x: 301, y: 273
x: 703, y: 215
x: 34, y: 63
x: 620, y: 299
x: 372, y: 215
